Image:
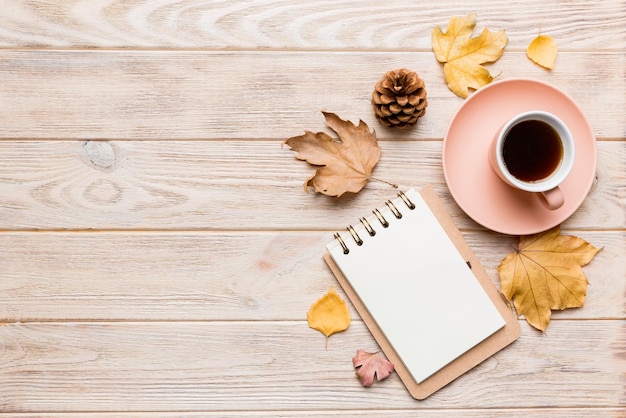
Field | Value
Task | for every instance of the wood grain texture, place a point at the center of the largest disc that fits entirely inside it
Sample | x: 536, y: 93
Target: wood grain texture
x: 400, y: 413
x: 404, y: 24
x: 158, y: 254
x: 217, y: 185
x: 284, y: 366
x: 142, y: 95
x: 221, y: 276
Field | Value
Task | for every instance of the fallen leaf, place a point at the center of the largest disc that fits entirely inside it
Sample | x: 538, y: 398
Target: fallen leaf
x: 545, y: 273
x: 345, y: 164
x: 463, y: 55
x: 329, y: 314
x: 542, y: 51
x: 371, y: 365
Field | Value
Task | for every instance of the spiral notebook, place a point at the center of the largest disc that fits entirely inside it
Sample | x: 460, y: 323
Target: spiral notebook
x: 421, y: 291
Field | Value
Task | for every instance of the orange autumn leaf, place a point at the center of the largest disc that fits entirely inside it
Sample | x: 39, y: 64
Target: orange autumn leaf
x: 329, y: 314
x: 542, y: 51
x: 345, y: 164
x: 370, y: 366
x: 462, y: 56
x: 545, y: 273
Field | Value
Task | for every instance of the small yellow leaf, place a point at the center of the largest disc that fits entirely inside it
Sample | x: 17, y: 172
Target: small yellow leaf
x: 345, y: 165
x: 329, y: 314
x: 545, y: 273
x: 542, y: 50
x: 462, y: 56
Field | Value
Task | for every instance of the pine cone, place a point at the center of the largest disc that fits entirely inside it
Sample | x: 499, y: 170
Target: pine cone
x: 399, y: 98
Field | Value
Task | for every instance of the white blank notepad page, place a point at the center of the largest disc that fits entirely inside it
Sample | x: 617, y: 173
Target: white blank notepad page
x: 417, y: 287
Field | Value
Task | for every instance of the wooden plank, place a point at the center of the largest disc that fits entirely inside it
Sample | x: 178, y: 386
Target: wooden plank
x: 399, y: 413
x: 98, y: 367
x: 305, y: 25
x: 217, y: 185
x: 159, y: 254
x: 221, y: 276
x: 231, y: 95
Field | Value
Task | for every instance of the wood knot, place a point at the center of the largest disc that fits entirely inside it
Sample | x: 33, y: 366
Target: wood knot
x: 100, y: 153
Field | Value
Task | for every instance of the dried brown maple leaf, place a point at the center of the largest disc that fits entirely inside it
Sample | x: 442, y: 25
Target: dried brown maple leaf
x: 345, y: 165
x: 371, y: 365
x: 545, y: 273
x: 462, y: 56
x: 329, y: 314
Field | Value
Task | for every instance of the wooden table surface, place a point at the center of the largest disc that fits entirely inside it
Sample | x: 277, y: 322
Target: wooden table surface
x: 158, y: 254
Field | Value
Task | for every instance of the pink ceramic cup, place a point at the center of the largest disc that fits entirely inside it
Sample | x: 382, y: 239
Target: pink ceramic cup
x: 547, y: 186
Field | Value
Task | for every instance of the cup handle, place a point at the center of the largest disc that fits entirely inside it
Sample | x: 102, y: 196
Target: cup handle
x: 553, y: 198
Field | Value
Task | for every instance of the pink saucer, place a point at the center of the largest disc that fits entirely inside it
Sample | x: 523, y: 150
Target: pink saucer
x: 478, y: 190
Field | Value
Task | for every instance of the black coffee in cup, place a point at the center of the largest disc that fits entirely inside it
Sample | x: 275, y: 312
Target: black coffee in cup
x: 532, y: 150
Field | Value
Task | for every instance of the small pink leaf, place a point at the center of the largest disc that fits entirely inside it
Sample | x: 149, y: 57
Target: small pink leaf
x: 370, y: 365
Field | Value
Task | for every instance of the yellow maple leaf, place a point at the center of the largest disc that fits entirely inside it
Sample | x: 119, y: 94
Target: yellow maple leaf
x: 542, y: 51
x: 545, y: 273
x: 463, y: 55
x: 329, y: 314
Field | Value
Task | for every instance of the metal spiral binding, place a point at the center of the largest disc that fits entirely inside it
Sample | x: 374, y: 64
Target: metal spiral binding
x: 346, y: 250
x: 381, y: 218
x: 368, y: 227
x: 406, y: 200
x: 393, y: 209
x: 355, y: 235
